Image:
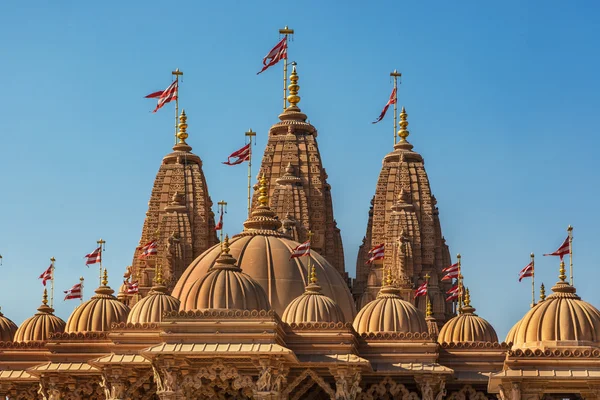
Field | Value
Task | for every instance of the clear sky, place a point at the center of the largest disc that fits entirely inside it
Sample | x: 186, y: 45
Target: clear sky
x: 502, y: 97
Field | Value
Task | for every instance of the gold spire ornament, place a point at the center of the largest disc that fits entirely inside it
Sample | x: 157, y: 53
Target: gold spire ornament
x: 45, y: 297
x: 226, y: 249
x: 542, y: 293
x: 313, y: 275
x: 429, y: 310
x: 287, y: 32
x: 562, y: 271
x: 158, y: 275
x: 395, y: 75
x: 263, y: 198
x: 182, y: 134
x: 389, y: 280
x: 403, y: 132
x: 467, y: 298
x: 105, y: 278
x: 293, y: 97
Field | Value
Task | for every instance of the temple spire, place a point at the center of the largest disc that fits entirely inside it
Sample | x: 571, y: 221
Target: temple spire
x: 293, y: 88
x: 403, y: 132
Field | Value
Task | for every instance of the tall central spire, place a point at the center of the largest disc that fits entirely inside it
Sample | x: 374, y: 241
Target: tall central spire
x: 297, y: 181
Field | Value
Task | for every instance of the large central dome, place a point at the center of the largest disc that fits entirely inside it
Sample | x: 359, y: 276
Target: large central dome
x: 264, y: 254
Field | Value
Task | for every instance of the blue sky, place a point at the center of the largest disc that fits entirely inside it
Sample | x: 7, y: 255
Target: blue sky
x: 502, y: 100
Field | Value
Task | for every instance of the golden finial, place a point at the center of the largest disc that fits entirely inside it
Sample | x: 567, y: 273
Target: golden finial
x: 293, y: 98
x: 403, y: 133
x: 158, y: 277
x: 429, y: 311
x: 542, y: 292
x: 226, y: 245
x: 313, y: 275
x: 52, y: 259
x: 263, y: 197
x: 467, y: 298
x: 45, y: 297
x: 562, y: 271
x: 182, y: 134
x: 389, y: 279
x: 105, y: 278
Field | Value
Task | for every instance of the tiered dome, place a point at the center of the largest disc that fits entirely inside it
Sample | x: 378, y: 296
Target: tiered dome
x: 467, y: 327
x: 152, y: 307
x: 225, y: 286
x: 7, y: 329
x: 264, y: 254
x: 312, y: 306
x: 389, y: 313
x: 99, y: 312
x: 561, y: 320
x: 41, y: 325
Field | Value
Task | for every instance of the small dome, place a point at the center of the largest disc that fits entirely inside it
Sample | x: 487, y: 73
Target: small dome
x: 152, y: 307
x: 389, y: 313
x: 225, y: 286
x: 7, y: 329
x: 41, y: 325
x: 562, y: 319
x: 467, y: 327
x: 312, y: 306
x: 99, y: 312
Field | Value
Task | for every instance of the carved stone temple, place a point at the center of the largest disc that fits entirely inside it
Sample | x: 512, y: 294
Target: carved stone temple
x: 242, y: 319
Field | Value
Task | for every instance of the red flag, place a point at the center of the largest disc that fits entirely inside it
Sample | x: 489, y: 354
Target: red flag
x: 277, y: 53
x: 46, y: 275
x: 242, y: 155
x: 453, y: 296
x: 149, y: 249
x: 76, y: 292
x: 166, y: 96
x: 94, y: 257
x: 454, y: 289
x: 562, y: 250
x: 377, y: 253
x: 452, y: 268
x: 421, y: 290
x: 451, y: 275
x: 133, y: 288
x: 301, y: 250
x: 526, y: 272
x: 219, y: 225
x: 391, y: 101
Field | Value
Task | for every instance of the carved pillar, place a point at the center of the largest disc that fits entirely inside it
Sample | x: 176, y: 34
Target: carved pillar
x: 271, y: 380
x: 166, y: 380
x: 433, y: 387
x: 49, y: 388
x: 347, y: 382
x: 114, y: 383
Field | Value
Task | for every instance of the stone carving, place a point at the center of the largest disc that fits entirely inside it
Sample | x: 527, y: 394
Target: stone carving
x: 264, y: 384
x: 467, y: 392
x: 313, y: 378
x: 347, y: 388
x: 388, y: 388
x: 442, y: 392
x: 113, y: 389
x: 426, y: 391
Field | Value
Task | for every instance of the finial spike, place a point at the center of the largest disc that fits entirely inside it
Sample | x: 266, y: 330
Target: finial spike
x: 226, y: 245
x: 263, y: 197
x: 562, y: 271
x: 182, y: 134
x: 158, y: 276
x: 389, y: 279
x: 45, y: 297
x: 313, y: 275
x: 105, y: 278
x: 429, y: 311
x: 403, y: 132
x: 467, y: 298
x: 293, y: 88
x: 542, y: 292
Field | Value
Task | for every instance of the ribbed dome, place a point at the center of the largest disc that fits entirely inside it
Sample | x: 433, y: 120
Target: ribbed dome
x: 41, y: 325
x: 467, y: 327
x: 312, y: 306
x: 264, y: 254
x: 389, y: 313
x: 99, y: 312
x: 562, y: 319
x: 225, y: 286
x: 7, y: 329
x: 152, y: 307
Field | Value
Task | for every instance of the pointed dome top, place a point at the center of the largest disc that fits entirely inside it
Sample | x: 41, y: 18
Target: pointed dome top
x: 7, y: 329
x: 152, y: 307
x: 263, y: 220
x: 99, y: 312
x: 293, y: 112
x: 562, y: 319
x: 41, y: 325
x: 467, y: 327
x: 181, y: 148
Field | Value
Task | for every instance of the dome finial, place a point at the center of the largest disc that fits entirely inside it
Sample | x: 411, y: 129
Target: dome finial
x: 562, y: 271
x: 105, y: 278
x: 263, y: 197
x: 182, y: 134
x: 388, y: 278
x: 467, y: 298
x: 403, y: 132
x: 45, y: 297
x: 293, y: 88
x: 158, y: 276
x: 542, y: 292
x: 225, y: 249
x: 429, y: 311
x: 313, y: 275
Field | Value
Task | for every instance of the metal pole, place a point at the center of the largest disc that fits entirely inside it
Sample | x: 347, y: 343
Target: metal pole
x: 286, y: 32
x: 249, y: 134
x: 101, y: 245
x: 570, y: 230
x: 52, y: 260
x: 395, y: 75
x: 177, y: 73
x: 532, y: 281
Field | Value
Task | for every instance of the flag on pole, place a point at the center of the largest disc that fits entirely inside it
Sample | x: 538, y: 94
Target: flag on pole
x: 453, y: 293
x: 277, y: 53
x: 391, y: 101
x: 526, y: 272
x: 451, y: 275
x: 562, y: 251
x: 46, y: 275
x: 151, y: 248
x: 94, y: 257
x: 301, y: 250
x: 421, y: 290
x: 242, y: 155
x: 165, y: 96
x: 452, y: 268
x: 74, y: 293
x: 219, y: 225
x: 376, y: 253
x: 133, y: 287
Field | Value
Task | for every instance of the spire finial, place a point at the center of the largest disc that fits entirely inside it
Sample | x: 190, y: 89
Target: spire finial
x: 313, y: 275
x: 158, y: 276
x: 293, y: 97
x: 542, y: 292
x: 403, y: 133
x: 105, y: 278
x: 45, y: 297
x: 263, y: 197
x: 388, y: 278
x: 429, y: 311
x: 182, y: 134
x: 562, y: 271
x: 226, y: 245
x: 467, y: 298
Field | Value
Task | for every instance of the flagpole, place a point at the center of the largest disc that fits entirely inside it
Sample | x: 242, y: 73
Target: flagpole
x: 395, y: 75
x: 427, y: 276
x: 177, y: 73
x: 250, y: 134
x: 285, y: 32
x: 310, y: 235
x: 81, y: 280
x: 570, y: 230
x: 532, y: 281
x: 221, y: 205
x: 101, y: 244
x: 460, y: 288
x: 52, y: 260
